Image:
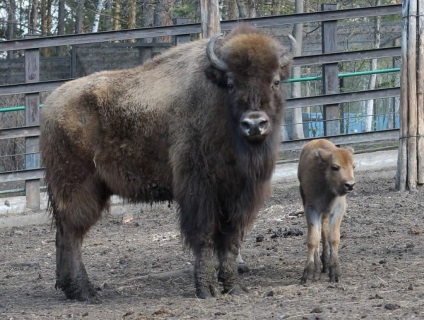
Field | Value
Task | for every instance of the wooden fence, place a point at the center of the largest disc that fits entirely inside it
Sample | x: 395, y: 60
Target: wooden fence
x: 329, y: 59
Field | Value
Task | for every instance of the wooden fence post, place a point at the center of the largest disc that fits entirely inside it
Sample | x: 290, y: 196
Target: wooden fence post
x: 185, y: 37
x: 410, y: 171
x: 32, y: 118
x: 330, y: 73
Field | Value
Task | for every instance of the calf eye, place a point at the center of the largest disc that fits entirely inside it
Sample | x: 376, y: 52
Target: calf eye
x: 230, y: 87
x: 335, y: 168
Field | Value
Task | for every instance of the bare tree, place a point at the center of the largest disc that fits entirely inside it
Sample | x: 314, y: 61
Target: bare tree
x: 33, y: 19
x: 209, y: 10
x: 117, y: 15
x: 297, y: 127
x: 241, y: 6
x: 11, y: 23
x: 79, y: 17
x: 96, y: 21
x: 369, y: 104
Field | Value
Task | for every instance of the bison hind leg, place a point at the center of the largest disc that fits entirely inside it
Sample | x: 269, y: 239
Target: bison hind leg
x: 74, y: 218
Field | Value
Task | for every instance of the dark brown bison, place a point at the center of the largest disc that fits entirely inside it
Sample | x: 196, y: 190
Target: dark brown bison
x: 326, y: 176
x: 199, y: 124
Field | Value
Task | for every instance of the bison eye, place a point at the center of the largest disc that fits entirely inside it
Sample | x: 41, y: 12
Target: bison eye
x: 335, y: 168
x: 276, y: 83
x: 230, y: 87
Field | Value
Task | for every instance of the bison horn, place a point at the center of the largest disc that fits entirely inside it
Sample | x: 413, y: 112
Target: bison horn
x: 285, y: 59
x: 213, y: 59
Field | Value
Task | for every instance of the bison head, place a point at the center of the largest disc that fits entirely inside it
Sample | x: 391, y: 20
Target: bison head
x: 339, y: 167
x: 250, y: 68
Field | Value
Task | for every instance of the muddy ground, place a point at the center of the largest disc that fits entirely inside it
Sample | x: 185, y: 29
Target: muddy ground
x: 136, y: 258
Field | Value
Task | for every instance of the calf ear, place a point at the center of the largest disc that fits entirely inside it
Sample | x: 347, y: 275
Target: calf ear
x: 323, y: 155
x: 216, y: 76
x: 350, y: 149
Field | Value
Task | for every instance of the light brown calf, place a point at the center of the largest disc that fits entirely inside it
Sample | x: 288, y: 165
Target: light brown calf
x: 326, y: 175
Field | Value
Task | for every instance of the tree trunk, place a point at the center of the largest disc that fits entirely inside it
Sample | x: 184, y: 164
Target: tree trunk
x: 43, y: 17
x: 11, y: 21
x: 369, y: 106
x: 148, y: 18
x: 296, y: 73
x: 117, y: 15
x: 241, y: 6
x: 96, y: 21
x: 33, y: 17
x: 79, y: 19
x: 209, y: 10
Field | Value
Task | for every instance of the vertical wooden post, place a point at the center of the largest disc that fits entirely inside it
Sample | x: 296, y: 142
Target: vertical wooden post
x: 420, y: 92
x: 185, y: 37
x: 330, y: 73
x: 32, y: 117
x: 209, y: 10
x: 410, y: 172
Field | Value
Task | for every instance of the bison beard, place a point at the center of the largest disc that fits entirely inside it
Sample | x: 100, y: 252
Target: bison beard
x: 199, y: 124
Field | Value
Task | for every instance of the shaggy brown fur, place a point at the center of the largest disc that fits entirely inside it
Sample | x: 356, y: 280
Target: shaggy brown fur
x: 326, y: 176
x: 170, y: 129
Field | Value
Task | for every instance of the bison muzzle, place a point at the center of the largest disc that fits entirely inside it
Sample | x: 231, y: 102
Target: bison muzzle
x: 198, y: 125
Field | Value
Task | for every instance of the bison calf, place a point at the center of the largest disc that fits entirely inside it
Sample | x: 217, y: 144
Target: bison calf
x: 326, y: 175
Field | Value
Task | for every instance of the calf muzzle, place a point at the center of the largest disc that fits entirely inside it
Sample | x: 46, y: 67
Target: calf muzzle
x: 349, y: 185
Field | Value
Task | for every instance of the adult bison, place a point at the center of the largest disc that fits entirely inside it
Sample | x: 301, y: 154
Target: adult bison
x: 326, y: 176
x: 199, y: 124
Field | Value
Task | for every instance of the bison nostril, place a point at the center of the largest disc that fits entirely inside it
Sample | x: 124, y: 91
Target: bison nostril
x: 263, y: 123
x: 245, y: 125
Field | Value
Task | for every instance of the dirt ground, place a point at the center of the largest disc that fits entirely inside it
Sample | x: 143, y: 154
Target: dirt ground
x: 136, y: 258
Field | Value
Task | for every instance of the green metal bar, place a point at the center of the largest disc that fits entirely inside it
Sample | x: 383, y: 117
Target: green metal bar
x: 343, y: 75
x: 363, y: 73
x: 18, y: 108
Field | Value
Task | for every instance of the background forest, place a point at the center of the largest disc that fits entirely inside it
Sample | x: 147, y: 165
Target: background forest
x: 29, y: 18
x: 57, y: 17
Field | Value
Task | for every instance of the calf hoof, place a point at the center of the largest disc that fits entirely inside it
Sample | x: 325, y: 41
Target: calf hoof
x: 236, y: 290
x: 205, y: 292
x: 309, y: 273
x: 334, y: 274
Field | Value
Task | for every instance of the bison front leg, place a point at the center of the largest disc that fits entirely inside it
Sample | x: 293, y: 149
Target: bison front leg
x: 228, y: 269
x: 204, y: 272
x: 312, y: 267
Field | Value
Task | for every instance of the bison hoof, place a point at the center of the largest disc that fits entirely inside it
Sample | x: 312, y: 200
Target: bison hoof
x: 242, y: 268
x: 205, y: 292
x: 236, y: 290
x: 75, y: 291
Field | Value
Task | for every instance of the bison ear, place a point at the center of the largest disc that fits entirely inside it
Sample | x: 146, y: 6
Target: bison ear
x: 216, y: 76
x: 323, y: 155
x: 350, y: 149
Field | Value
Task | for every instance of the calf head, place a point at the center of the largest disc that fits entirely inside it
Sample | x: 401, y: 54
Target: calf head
x: 250, y: 69
x: 339, y: 169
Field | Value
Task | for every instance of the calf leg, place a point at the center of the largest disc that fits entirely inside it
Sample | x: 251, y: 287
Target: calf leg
x: 334, y: 241
x: 312, y: 267
x: 74, y: 216
x: 242, y: 267
x: 325, y: 255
